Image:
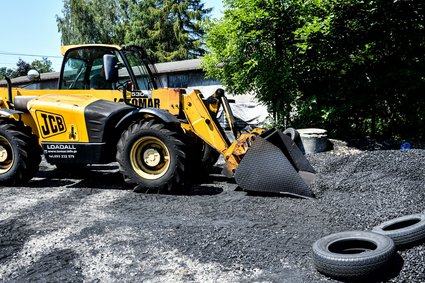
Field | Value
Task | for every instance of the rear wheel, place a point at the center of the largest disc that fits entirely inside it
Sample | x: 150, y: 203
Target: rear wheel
x: 152, y: 155
x: 209, y: 157
x: 203, y: 159
x: 19, y: 153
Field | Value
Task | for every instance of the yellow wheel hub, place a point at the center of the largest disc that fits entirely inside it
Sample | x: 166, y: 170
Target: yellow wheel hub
x: 150, y: 158
x: 6, y: 155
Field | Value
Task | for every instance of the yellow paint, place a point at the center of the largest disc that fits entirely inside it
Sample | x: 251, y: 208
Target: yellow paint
x: 73, y: 102
x: 60, y: 118
x: 170, y: 99
x: 201, y: 122
x: 65, y: 48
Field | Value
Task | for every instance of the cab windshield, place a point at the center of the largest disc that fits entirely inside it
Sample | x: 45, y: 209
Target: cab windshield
x: 83, y: 69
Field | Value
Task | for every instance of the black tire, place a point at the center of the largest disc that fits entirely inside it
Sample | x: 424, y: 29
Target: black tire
x: 20, y: 153
x: 353, y: 254
x: 403, y: 230
x: 152, y: 155
x: 209, y: 156
x: 293, y: 134
x: 202, y: 158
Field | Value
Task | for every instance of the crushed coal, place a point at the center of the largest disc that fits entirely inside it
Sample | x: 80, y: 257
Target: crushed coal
x: 89, y: 226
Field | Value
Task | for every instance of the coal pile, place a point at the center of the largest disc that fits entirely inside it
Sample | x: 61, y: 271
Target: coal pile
x: 364, y: 189
x: 88, y: 226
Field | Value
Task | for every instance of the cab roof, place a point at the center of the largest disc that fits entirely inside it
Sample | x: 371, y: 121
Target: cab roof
x: 65, y: 48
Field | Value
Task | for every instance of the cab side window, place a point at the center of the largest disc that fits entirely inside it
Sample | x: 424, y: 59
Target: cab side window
x: 83, y: 69
x: 73, y: 74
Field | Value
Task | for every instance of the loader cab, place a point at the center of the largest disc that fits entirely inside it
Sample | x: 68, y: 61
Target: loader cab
x: 89, y: 67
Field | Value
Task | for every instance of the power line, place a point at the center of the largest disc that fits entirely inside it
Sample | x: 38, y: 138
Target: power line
x: 29, y: 55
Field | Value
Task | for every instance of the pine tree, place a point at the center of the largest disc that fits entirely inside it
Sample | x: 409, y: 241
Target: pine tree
x: 167, y: 29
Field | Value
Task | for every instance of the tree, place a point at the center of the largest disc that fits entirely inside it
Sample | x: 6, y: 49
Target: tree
x: 366, y: 68
x: 171, y: 28
x: 43, y: 66
x: 5, y: 72
x: 252, y: 50
x: 167, y: 29
x: 353, y: 67
x: 22, y: 68
x: 89, y: 21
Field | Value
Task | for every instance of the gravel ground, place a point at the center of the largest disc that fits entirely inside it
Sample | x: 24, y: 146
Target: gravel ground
x: 88, y: 226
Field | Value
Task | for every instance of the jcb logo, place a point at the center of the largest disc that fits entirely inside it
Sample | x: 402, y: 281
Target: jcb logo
x: 50, y: 124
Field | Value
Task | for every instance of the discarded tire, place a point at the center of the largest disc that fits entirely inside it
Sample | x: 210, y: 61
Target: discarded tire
x: 292, y: 133
x: 403, y: 230
x: 353, y: 254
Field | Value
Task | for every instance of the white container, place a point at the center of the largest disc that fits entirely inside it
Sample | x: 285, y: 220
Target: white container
x: 313, y: 140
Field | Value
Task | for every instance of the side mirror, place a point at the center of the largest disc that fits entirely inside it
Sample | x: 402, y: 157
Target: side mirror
x: 110, y: 63
x: 33, y: 75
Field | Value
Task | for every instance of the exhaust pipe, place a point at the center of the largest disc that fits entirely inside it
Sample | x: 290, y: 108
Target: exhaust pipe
x: 9, y: 92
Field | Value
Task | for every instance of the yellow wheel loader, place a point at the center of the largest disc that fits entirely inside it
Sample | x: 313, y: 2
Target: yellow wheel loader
x: 109, y: 107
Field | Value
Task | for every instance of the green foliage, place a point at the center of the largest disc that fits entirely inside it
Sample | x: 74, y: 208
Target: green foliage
x: 353, y: 67
x: 168, y: 29
x: 89, y: 21
x: 6, y: 72
x: 22, y: 68
x: 43, y: 66
x: 369, y: 65
x: 251, y: 50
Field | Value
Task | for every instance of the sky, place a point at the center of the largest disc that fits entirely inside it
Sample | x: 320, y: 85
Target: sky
x: 29, y: 27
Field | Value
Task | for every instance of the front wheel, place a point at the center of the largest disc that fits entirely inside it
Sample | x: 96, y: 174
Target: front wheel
x: 152, y: 155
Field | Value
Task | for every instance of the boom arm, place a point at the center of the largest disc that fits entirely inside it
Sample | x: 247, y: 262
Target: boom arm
x: 202, y: 123
x: 207, y: 128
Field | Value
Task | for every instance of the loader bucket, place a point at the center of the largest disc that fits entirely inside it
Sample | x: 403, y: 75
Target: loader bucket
x: 274, y: 164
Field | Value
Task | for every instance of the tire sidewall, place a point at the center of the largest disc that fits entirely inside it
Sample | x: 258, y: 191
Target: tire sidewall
x: 134, y: 137
x: 382, y: 244
x: 293, y: 134
x: 356, y: 265
x: 204, y: 156
x: 7, y: 176
x: 209, y: 155
x: 405, y: 235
